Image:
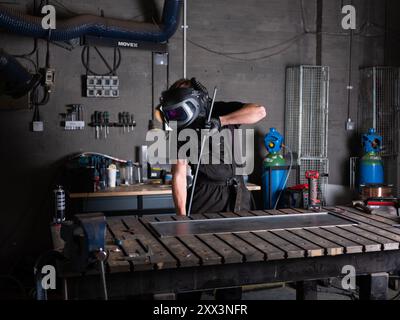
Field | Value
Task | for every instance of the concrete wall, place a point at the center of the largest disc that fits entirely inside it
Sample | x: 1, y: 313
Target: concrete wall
x: 392, y: 40
x: 29, y: 160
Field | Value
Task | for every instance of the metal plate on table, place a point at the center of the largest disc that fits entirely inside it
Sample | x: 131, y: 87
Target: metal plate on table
x: 246, y: 224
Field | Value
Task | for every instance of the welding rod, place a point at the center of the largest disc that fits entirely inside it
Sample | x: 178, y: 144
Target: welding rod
x: 201, y: 154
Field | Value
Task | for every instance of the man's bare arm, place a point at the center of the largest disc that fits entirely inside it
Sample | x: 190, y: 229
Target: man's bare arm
x: 250, y: 113
x: 179, y: 191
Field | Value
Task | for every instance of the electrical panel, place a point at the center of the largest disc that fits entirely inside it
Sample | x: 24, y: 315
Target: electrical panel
x: 101, y: 86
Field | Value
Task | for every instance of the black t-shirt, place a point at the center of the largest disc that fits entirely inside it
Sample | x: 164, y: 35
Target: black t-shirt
x: 223, y: 108
x: 217, y: 151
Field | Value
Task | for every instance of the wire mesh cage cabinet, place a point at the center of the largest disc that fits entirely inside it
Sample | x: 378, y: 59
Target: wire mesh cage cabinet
x: 306, y: 114
x: 306, y: 119
x: 379, y: 105
x: 379, y: 108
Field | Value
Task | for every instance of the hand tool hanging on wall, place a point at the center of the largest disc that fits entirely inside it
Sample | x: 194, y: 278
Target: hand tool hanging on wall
x: 107, y: 123
x: 132, y: 122
x: 73, y: 119
x: 93, y: 123
x: 100, y: 120
x: 126, y: 121
x: 120, y: 120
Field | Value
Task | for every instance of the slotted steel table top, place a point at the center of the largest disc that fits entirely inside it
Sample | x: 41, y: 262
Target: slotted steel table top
x: 249, y: 224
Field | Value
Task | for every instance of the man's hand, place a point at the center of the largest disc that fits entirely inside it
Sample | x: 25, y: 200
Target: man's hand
x: 214, y: 125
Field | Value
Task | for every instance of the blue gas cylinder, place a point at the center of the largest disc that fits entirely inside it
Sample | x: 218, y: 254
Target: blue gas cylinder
x: 371, y: 169
x: 273, y: 181
x: 371, y: 165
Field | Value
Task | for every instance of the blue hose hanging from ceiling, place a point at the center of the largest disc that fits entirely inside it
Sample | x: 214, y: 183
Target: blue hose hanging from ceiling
x: 82, y: 25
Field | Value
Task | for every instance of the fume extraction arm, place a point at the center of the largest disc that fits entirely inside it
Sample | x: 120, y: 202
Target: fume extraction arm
x: 90, y: 25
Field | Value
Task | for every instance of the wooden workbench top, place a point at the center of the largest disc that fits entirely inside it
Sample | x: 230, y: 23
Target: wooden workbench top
x: 139, y: 249
x: 138, y: 190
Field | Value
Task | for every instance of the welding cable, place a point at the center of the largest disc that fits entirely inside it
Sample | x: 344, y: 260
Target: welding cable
x: 287, y: 175
x: 85, y: 58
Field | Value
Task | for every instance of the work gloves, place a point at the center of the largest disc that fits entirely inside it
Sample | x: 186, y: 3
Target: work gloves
x: 214, y: 125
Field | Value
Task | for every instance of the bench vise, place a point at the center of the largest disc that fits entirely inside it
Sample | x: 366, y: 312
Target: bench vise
x: 84, y: 240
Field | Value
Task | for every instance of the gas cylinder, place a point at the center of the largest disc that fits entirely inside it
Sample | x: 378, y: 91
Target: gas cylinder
x: 59, y: 205
x: 371, y: 165
x: 273, y: 180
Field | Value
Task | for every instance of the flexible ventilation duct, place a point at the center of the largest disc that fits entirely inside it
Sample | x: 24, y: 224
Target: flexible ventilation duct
x: 75, y: 27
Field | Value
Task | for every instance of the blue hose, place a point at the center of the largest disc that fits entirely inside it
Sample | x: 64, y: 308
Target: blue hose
x: 82, y: 25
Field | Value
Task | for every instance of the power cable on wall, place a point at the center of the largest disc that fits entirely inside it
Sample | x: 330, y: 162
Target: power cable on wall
x: 231, y: 55
x: 290, y: 43
x: 350, y: 67
x: 85, y: 58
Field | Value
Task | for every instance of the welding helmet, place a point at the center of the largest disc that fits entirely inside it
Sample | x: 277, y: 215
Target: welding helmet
x: 184, y: 105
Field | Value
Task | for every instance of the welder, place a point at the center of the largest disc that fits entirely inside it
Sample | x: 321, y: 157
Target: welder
x: 218, y: 187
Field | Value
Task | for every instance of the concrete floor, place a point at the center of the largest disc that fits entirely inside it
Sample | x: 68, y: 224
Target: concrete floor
x: 282, y: 293
x: 288, y: 292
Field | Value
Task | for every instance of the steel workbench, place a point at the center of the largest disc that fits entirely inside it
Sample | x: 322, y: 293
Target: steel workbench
x: 144, y: 263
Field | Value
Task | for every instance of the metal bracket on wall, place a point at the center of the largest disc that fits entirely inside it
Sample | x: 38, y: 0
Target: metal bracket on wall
x: 123, y: 43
